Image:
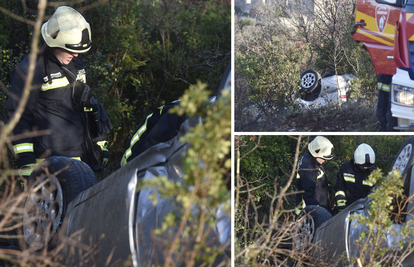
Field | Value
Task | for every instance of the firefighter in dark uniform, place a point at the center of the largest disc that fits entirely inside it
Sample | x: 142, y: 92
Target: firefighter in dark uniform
x: 352, y: 179
x: 386, y: 121
x: 60, y: 100
x: 311, y: 177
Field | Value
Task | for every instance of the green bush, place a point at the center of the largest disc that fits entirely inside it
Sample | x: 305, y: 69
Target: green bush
x: 146, y: 55
x: 272, y: 70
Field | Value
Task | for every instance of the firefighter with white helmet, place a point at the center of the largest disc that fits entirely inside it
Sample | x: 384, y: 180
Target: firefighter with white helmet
x: 60, y: 100
x: 352, y: 179
x: 311, y: 176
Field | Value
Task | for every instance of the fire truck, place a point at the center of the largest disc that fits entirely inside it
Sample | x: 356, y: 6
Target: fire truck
x: 386, y: 29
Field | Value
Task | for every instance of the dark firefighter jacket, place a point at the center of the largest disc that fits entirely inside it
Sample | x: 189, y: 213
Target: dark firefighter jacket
x: 351, y: 184
x: 49, y: 107
x: 312, y: 179
x: 160, y: 126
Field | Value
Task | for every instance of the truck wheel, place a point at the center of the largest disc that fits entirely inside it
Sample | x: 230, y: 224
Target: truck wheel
x: 307, y: 222
x: 310, y: 80
x: 55, y: 182
x: 404, y: 159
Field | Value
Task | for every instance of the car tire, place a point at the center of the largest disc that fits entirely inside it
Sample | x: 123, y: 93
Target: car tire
x: 310, y: 81
x: 310, y: 218
x: 314, y: 95
x: 404, y: 159
x: 56, y: 182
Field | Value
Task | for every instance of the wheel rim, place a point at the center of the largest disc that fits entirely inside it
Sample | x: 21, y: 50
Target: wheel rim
x: 42, y: 212
x: 304, y: 231
x: 308, y: 80
x: 403, y: 158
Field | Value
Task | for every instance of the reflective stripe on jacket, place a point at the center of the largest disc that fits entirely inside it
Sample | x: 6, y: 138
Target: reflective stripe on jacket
x: 384, y: 82
x: 49, y: 107
x: 160, y: 126
x: 351, y: 184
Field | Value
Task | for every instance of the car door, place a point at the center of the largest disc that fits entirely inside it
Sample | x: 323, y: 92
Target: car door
x: 375, y: 28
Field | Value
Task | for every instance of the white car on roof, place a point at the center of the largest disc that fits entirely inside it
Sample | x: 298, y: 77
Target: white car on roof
x: 320, y: 90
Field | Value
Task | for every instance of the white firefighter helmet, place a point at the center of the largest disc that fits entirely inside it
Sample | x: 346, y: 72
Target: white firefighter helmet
x: 321, y: 147
x: 67, y: 29
x: 364, y: 156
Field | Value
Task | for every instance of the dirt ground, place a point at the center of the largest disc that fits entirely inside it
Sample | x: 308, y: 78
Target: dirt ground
x: 347, y: 119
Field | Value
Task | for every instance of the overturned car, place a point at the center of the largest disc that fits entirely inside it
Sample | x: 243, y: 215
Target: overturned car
x: 335, y: 238
x: 318, y: 90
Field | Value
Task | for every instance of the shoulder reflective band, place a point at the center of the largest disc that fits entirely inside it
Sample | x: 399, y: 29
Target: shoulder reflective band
x: 342, y: 193
x: 366, y: 182
x: 22, y: 148
x: 55, y: 83
x: 384, y: 87
x: 349, y: 179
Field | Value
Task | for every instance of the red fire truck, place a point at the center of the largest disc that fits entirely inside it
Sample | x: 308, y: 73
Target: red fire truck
x: 386, y: 28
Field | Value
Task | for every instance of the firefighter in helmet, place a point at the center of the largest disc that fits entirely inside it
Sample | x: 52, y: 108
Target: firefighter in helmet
x: 311, y: 177
x: 352, y: 179
x: 60, y: 100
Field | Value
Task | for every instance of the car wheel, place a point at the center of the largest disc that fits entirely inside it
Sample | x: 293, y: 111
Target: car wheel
x: 404, y: 159
x: 314, y: 95
x: 307, y: 222
x: 310, y: 80
x: 55, y: 182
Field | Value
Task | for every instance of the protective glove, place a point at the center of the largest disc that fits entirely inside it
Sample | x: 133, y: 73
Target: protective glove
x: 341, y: 204
x: 102, y: 153
x: 26, y: 171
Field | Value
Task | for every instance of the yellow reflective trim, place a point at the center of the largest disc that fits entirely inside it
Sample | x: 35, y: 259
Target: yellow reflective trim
x: 340, y: 193
x: 135, y: 139
x: 341, y: 202
x: 366, y: 182
x: 22, y: 148
x: 321, y: 173
x: 349, y: 179
x: 125, y: 157
x: 384, y: 87
x: 55, y: 83
x: 140, y: 131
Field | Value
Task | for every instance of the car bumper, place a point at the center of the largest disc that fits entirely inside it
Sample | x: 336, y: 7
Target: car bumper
x: 404, y: 113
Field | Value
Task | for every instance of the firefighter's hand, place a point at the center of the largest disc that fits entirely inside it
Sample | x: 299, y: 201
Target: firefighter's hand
x: 26, y: 171
x: 104, y: 155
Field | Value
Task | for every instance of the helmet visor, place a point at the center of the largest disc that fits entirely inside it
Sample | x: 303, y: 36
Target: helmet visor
x: 84, y: 44
x: 366, y: 166
x: 330, y: 155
